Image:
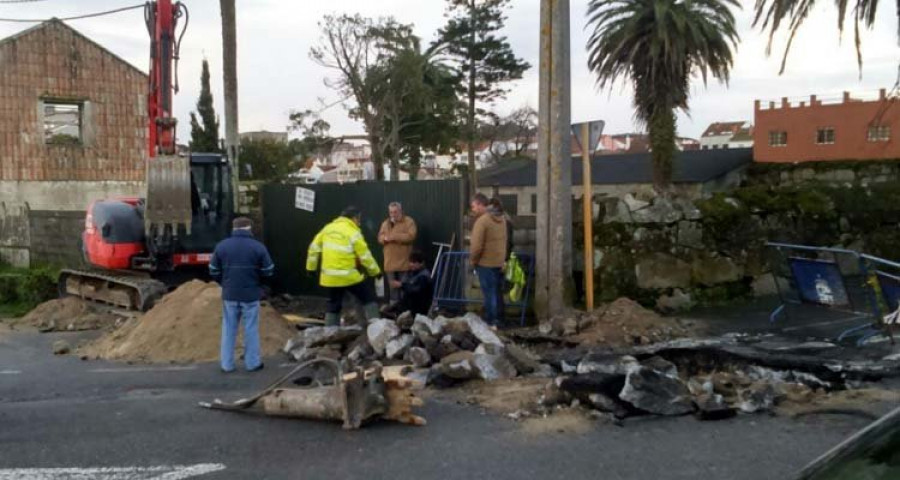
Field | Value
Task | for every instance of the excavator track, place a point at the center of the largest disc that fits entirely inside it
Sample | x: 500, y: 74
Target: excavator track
x: 127, y: 291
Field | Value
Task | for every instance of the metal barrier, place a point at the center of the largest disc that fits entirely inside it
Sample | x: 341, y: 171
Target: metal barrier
x: 455, y: 287
x: 837, y: 280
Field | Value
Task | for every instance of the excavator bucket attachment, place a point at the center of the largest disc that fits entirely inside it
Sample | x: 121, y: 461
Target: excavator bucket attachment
x: 168, y: 193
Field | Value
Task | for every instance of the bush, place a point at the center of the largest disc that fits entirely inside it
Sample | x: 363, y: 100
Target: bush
x: 23, y: 289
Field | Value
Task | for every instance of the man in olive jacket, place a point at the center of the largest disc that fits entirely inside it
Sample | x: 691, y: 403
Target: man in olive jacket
x: 487, y: 253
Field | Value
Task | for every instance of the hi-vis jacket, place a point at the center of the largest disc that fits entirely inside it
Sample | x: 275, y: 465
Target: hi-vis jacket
x: 342, y: 247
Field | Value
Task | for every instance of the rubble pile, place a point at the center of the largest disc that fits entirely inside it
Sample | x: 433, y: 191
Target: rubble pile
x: 627, y: 385
x: 452, y: 349
x: 184, y: 326
x: 69, y: 314
x: 623, y: 322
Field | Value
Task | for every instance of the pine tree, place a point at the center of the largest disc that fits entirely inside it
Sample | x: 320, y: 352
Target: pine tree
x: 484, y: 60
x: 205, y: 137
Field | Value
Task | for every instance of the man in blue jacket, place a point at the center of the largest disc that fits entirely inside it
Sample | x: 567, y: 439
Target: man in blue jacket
x: 238, y: 264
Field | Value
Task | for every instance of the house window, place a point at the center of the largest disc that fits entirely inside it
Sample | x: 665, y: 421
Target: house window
x: 62, y: 123
x: 777, y: 138
x: 510, y: 204
x: 534, y: 204
x: 825, y: 136
x: 879, y: 133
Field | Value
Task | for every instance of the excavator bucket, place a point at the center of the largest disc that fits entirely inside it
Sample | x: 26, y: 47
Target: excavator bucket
x: 168, y: 193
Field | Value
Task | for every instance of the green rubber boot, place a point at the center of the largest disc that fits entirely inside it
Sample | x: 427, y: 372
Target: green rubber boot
x: 332, y: 319
x: 371, y: 310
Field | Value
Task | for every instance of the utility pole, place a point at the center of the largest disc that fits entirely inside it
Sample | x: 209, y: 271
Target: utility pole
x: 553, y: 261
x: 229, y: 67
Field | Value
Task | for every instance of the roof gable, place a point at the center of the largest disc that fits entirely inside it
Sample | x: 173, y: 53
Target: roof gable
x: 57, y: 23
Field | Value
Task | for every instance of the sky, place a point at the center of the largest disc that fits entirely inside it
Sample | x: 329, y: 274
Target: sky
x: 276, y: 75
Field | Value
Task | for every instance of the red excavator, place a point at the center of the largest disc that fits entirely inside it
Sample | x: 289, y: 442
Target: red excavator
x: 137, y: 248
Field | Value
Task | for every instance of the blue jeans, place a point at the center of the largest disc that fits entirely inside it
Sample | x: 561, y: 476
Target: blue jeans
x: 232, y: 314
x: 490, y: 280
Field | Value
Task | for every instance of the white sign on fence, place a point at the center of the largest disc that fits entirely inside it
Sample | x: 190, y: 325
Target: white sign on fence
x: 305, y: 199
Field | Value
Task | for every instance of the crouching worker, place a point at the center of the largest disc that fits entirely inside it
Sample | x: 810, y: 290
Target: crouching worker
x: 416, y: 289
x: 238, y: 263
x: 344, y: 252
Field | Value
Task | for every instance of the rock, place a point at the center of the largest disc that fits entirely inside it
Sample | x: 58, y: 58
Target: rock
x: 360, y: 350
x: 764, y: 285
x: 405, y: 320
x: 795, y: 392
x: 659, y: 270
x: 606, y: 403
x: 318, y: 336
x: 633, y: 203
x: 425, y: 328
x: 687, y: 208
x: 675, y: 302
x: 561, y: 325
x: 605, y: 383
x: 661, y: 211
x: 380, y: 332
x: 713, y: 407
x: 760, y: 397
x: 711, y: 271
x: 553, y: 396
x: 690, y: 235
x: 397, y: 347
x: 522, y: 359
x: 493, y: 367
x: 458, y: 366
x: 656, y: 393
x: 661, y: 365
x: 482, y: 331
x: 61, y: 347
x: 617, y: 211
x: 613, y: 364
x: 419, y: 357
x: 490, y: 349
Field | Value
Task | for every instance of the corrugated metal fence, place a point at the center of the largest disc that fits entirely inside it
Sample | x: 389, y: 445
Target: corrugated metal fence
x: 437, y: 206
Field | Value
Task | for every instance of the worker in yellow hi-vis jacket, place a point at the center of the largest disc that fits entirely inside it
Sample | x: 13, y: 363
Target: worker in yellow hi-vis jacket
x: 345, y: 264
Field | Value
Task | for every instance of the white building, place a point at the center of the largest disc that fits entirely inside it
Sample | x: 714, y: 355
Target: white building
x: 721, y: 135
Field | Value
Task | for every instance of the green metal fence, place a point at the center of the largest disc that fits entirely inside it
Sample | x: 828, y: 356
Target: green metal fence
x: 437, y: 206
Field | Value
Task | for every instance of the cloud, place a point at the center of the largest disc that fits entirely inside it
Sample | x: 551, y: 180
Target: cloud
x: 277, y: 76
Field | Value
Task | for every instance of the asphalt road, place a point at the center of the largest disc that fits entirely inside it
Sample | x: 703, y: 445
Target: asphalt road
x: 59, y: 412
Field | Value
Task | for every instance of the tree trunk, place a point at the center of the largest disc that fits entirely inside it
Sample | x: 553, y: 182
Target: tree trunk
x: 230, y: 95
x: 662, y: 146
x: 470, y: 117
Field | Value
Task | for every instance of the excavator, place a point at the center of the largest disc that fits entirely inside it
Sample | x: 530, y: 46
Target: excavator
x: 137, y: 248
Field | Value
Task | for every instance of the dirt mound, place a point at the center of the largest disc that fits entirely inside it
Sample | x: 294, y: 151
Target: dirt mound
x: 620, y: 323
x: 184, y: 326
x: 68, y: 314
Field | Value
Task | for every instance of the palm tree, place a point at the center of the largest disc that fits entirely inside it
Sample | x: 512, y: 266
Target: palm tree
x: 658, y: 45
x: 771, y: 13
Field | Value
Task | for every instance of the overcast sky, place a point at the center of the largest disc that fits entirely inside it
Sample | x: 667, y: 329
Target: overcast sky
x: 276, y: 76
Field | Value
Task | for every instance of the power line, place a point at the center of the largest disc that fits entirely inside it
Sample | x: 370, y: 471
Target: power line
x: 78, y: 17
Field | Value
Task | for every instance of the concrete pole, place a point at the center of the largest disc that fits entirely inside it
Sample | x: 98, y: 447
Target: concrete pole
x: 553, y: 263
x: 229, y: 73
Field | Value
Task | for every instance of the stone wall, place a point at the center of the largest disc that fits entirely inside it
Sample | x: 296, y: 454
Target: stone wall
x: 15, y: 239
x: 673, y: 253
x: 56, y: 237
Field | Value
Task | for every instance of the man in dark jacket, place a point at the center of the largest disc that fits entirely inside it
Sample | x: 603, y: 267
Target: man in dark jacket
x: 238, y: 264
x: 416, y: 288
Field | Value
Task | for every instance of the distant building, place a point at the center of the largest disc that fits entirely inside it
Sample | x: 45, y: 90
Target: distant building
x: 281, y: 137
x: 841, y: 129
x: 721, y: 135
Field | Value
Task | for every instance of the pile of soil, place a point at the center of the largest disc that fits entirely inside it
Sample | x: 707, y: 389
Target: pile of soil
x: 184, y: 326
x: 68, y: 314
x: 623, y: 322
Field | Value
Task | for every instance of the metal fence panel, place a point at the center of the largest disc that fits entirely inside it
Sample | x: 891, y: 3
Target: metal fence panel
x: 437, y: 206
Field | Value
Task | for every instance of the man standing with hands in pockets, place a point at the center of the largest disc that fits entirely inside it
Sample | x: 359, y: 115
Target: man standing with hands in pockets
x: 397, y: 235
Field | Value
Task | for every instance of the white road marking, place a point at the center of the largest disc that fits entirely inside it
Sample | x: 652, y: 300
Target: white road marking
x: 142, y: 369
x: 163, y: 472
x: 10, y: 372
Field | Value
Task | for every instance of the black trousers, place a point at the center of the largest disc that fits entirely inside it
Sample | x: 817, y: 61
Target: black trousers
x: 364, y: 292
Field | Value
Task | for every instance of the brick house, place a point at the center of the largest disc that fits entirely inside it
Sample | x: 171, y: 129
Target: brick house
x: 72, y: 129
x: 821, y: 130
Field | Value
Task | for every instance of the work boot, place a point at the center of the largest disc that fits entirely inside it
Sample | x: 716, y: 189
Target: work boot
x: 332, y: 319
x: 371, y: 310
